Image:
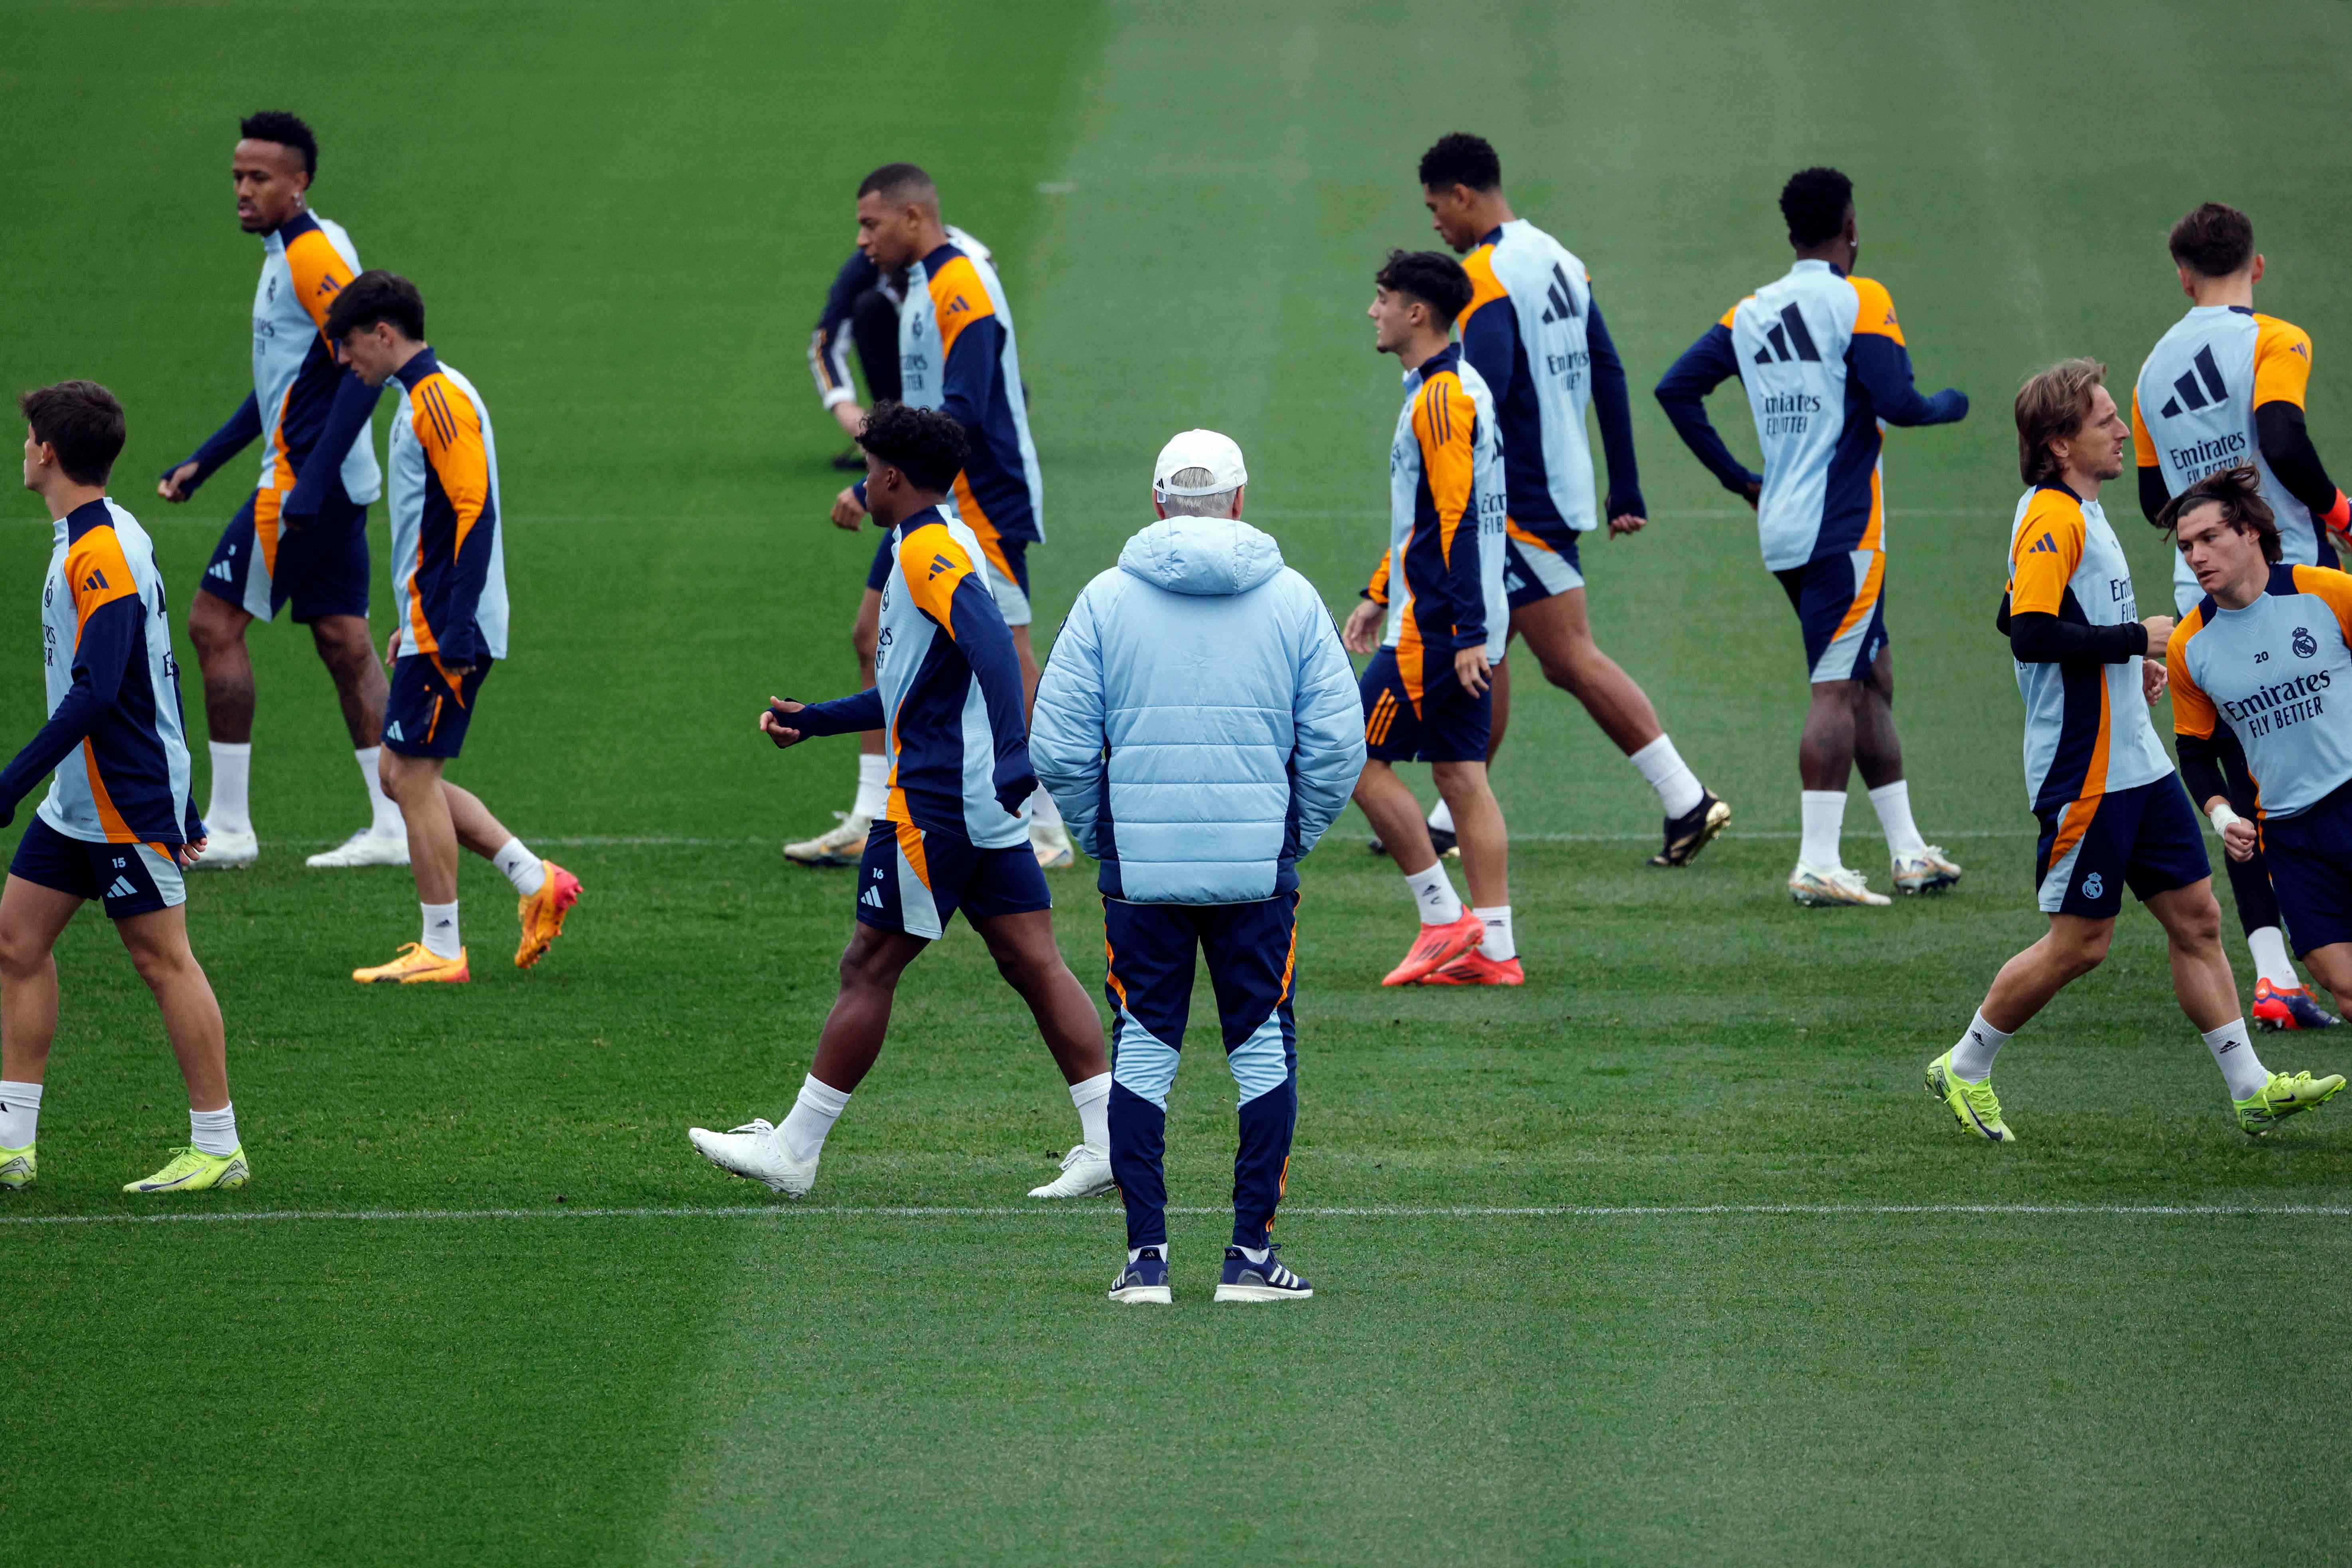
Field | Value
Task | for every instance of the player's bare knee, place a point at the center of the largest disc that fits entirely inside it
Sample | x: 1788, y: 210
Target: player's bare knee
x: 22, y: 956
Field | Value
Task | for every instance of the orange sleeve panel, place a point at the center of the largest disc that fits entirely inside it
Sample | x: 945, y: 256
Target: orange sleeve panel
x: 97, y: 574
x: 1876, y: 314
x: 2334, y: 589
x: 1484, y: 287
x: 2192, y: 711
x: 1377, y: 591
x: 319, y: 273
x: 2047, y: 550
x: 933, y: 564
x: 2282, y: 362
x: 958, y: 300
x: 1726, y: 322
x: 2143, y: 443
x: 1444, y: 422
x: 449, y: 428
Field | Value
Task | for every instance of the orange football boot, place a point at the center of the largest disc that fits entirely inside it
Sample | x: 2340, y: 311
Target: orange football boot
x: 1436, y: 947
x: 417, y: 962
x: 542, y: 914
x: 1474, y: 968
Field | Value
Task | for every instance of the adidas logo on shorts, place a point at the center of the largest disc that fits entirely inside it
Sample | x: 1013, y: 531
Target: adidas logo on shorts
x: 873, y: 897
x: 122, y: 888
x: 391, y: 731
x: 219, y: 568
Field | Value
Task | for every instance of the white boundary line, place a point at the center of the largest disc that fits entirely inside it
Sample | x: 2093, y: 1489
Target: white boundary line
x: 786, y: 1209
x: 660, y: 841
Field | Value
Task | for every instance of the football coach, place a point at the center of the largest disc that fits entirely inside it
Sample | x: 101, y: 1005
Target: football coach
x: 1199, y: 726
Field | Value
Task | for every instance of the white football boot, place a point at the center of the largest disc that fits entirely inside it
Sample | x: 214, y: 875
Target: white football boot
x: 845, y: 845
x: 1086, y: 1173
x: 756, y: 1150
x: 365, y: 847
x: 1834, y: 887
x: 1926, y: 872
x: 228, y: 851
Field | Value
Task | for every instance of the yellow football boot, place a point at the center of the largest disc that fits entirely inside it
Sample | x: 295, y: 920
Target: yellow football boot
x: 416, y: 963
x: 17, y: 1168
x: 194, y: 1170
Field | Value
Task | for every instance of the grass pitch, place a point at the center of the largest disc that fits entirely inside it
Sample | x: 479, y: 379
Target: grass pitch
x: 1663, y: 1258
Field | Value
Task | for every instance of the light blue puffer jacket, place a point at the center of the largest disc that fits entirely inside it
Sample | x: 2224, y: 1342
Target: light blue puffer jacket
x: 1198, y: 722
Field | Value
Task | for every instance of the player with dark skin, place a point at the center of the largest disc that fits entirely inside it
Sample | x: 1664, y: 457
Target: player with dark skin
x: 272, y: 186
x: 1022, y: 945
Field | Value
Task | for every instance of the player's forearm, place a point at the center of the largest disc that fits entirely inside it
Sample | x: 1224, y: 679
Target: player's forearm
x: 842, y: 716
x: 354, y: 405
x: 2200, y: 768
x: 97, y: 681
x: 1682, y: 393
x: 2152, y: 493
x: 1884, y: 367
x: 2286, y: 447
x: 2038, y: 638
x: 1613, y: 405
x: 242, y: 429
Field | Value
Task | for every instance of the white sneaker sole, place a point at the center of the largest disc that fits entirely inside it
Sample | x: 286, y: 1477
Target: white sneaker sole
x: 1816, y: 900
x: 235, y: 858
x: 1260, y: 1293
x: 1144, y: 1295
x: 1085, y: 1189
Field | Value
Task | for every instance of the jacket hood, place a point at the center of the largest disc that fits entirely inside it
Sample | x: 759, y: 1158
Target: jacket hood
x: 1210, y: 556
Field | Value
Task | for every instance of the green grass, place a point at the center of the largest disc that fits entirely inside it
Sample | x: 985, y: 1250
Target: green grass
x: 623, y: 221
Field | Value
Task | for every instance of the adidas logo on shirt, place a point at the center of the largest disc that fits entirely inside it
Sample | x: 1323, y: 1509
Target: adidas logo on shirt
x: 1789, y: 340
x: 2044, y: 545
x: 122, y: 888
x: 2185, y: 390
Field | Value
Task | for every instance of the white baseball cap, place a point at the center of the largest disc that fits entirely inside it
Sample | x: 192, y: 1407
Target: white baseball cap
x: 1200, y: 449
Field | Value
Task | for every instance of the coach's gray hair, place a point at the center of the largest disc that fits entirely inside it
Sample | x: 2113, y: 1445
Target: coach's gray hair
x: 1216, y: 504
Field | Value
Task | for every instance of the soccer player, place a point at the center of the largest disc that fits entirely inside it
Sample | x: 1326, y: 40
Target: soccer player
x: 117, y: 825
x: 2225, y: 387
x: 861, y: 309
x: 1437, y: 600
x: 449, y: 584
x: 951, y: 836
x: 2262, y: 651
x: 1824, y: 365
x: 1200, y: 722
x: 2112, y: 811
x: 956, y: 353
x: 299, y: 542
x: 1534, y: 332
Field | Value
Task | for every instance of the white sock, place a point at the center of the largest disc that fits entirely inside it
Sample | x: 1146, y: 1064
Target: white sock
x: 388, y: 820
x: 1678, y: 787
x: 1092, y: 1097
x: 1894, y: 804
x: 820, y: 1104
x: 1972, y: 1058
x: 232, y: 768
x: 1441, y: 816
x: 1498, y: 943
x: 873, y: 786
x: 20, y: 1113
x: 1043, y: 812
x: 518, y: 865
x: 441, y: 929
x: 214, y: 1131
x: 1255, y: 1254
x: 1440, y: 906
x: 2233, y: 1053
x: 1823, y: 814
x: 2271, y: 962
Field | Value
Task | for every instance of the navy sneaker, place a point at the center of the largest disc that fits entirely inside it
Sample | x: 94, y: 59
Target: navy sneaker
x: 1145, y: 1279
x: 1692, y: 831
x: 1267, y: 1281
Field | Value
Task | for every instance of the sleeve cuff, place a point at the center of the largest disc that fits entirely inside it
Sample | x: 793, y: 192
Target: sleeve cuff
x: 839, y: 395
